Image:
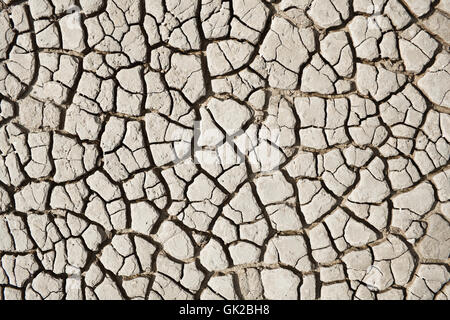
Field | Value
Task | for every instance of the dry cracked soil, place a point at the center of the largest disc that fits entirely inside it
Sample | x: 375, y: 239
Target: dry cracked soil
x: 224, y: 149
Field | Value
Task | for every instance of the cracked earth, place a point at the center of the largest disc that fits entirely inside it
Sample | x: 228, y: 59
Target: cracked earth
x: 224, y: 149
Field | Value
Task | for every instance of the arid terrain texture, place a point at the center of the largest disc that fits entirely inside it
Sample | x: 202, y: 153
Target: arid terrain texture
x: 224, y: 149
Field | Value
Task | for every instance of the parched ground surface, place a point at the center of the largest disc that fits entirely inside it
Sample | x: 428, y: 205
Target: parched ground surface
x: 224, y: 149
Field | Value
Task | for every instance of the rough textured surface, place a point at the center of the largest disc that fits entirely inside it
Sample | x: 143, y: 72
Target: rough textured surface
x: 224, y: 149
